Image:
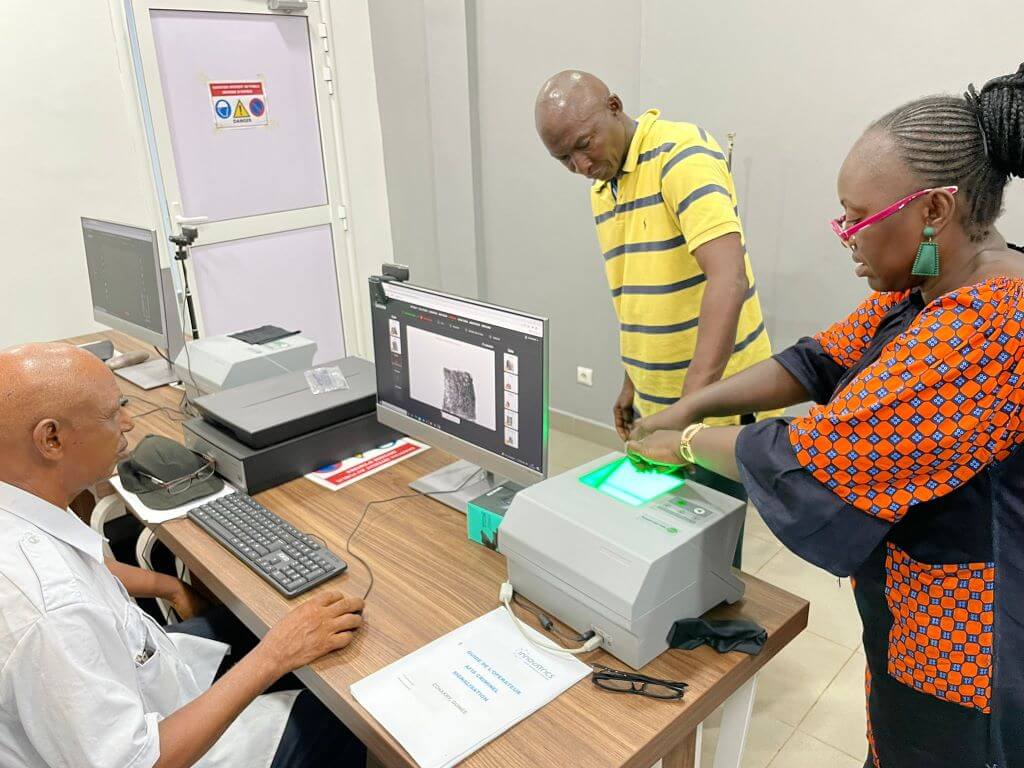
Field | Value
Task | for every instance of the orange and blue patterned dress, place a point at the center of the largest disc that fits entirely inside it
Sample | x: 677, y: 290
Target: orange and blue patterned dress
x: 908, y: 477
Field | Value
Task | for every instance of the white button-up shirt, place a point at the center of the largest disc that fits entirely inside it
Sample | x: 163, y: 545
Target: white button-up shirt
x: 85, y: 674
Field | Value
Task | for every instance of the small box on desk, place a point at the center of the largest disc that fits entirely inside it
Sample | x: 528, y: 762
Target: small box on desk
x: 485, y: 513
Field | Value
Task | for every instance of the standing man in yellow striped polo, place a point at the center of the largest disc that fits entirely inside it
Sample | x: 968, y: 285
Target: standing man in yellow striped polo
x: 674, y: 252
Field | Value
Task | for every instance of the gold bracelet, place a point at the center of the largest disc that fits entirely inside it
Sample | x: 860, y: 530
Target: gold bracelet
x: 685, y: 449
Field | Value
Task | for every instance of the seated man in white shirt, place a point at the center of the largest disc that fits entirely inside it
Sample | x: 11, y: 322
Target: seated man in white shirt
x: 87, y: 679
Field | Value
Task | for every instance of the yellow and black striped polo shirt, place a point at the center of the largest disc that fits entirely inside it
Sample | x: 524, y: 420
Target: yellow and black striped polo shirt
x: 674, y: 194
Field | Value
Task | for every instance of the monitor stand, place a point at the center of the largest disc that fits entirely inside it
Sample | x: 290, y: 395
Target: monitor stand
x: 149, y: 375
x: 440, y: 483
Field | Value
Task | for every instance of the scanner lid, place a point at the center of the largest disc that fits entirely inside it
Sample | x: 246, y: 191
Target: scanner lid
x: 282, y: 407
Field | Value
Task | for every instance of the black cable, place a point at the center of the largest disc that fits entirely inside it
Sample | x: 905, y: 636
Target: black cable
x: 186, y: 406
x: 348, y: 542
x: 157, y: 407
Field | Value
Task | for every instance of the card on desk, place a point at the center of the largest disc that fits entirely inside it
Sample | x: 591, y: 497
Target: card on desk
x: 347, y: 471
x: 448, y: 699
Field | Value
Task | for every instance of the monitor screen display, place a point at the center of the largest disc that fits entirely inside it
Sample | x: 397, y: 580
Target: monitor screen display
x: 471, y: 370
x: 124, y: 273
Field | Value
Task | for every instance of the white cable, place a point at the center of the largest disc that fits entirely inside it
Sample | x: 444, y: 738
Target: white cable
x: 505, y: 595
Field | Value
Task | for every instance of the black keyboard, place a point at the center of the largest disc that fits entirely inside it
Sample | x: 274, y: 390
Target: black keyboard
x: 290, y: 560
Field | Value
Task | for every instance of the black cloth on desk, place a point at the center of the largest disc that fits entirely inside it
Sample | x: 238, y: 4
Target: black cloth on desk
x: 262, y: 335
x: 723, y: 636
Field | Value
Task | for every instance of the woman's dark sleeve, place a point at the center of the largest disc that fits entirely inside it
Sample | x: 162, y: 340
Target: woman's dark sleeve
x: 807, y: 517
x: 817, y: 372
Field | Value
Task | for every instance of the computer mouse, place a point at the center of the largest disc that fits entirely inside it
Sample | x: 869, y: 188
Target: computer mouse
x: 125, y: 359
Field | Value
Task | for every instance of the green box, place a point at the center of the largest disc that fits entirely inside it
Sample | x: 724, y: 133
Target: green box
x: 485, y: 513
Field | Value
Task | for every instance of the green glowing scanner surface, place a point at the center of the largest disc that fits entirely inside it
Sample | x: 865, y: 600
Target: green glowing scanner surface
x: 623, y: 481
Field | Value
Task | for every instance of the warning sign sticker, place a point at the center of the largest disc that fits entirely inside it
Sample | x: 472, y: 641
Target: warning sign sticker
x: 239, y: 103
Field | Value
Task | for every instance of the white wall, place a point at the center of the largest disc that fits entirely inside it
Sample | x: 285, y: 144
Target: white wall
x: 424, y: 66
x: 539, y: 248
x: 356, y: 109
x: 453, y: 127
x: 798, y: 85
x: 403, y: 96
x: 68, y: 148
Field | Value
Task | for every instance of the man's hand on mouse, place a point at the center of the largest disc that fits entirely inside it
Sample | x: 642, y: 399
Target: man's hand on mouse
x: 321, y: 625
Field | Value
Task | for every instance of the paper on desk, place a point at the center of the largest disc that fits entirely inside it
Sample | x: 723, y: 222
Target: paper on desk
x: 158, y: 516
x: 345, y: 472
x: 446, y: 700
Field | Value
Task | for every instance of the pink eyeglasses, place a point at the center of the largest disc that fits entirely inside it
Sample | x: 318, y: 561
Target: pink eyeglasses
x: 845, y: 233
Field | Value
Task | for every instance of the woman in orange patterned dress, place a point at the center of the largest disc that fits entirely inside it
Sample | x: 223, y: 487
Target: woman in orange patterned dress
x: 907, y: 475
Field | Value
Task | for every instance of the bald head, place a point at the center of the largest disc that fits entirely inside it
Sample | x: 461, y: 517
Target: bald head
x: 39, y: 381
x: 582, y: 124
x: 61, y: 420
x: 570, y: 92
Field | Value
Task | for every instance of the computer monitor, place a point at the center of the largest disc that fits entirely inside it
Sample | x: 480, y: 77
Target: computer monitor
x: 464, y: 376
x: 131, y: 293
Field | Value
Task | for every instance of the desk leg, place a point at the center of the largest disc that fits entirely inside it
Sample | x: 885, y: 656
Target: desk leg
x: 685, y: 755
x: 732, y: 737
x: 372, y: 762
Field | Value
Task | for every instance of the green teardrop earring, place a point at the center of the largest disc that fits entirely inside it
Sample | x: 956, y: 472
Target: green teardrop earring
x: 927, y: 262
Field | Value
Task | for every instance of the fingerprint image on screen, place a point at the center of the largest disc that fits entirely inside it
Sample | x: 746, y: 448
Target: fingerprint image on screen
x: 459, y: 394
x: 453, y: 376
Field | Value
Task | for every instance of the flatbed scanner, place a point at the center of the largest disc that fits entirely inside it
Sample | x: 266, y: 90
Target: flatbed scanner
x: 215, y: 363
x: 625, y: 553
x: 268, y: 432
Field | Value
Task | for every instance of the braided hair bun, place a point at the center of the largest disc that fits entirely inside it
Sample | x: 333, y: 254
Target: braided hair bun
x: 975, y: 142
x: 1000, y: 110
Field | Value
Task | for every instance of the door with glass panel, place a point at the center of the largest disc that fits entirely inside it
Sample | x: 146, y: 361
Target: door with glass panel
x: 238, y: 106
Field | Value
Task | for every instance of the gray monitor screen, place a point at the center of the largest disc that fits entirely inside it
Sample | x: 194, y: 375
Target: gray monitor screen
x: 124, y: 273
x: 471, y: 370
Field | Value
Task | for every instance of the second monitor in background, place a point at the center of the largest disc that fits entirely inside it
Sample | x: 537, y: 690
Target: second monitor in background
x: 133, y: 294
x: 467, y: 377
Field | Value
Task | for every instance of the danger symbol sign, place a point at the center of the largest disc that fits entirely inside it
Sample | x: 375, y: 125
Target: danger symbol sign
x: 239, y: 103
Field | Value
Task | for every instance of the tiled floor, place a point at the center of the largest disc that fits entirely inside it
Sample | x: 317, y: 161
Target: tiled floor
x: 809, y: 710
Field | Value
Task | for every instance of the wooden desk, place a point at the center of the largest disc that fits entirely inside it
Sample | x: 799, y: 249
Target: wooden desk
x: 430, y: 579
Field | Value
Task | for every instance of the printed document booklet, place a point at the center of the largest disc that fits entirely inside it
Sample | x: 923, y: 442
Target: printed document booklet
x: 446, y: 700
